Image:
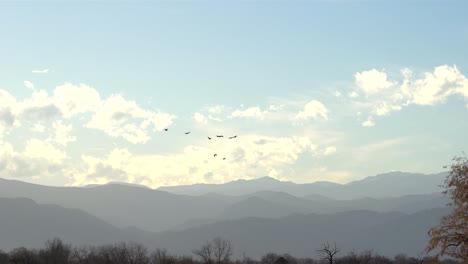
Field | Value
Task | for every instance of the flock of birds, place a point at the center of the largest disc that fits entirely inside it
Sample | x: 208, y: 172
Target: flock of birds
x: 209, y: 138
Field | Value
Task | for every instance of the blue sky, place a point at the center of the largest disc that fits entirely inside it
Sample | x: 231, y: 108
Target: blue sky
x: 315, y: 90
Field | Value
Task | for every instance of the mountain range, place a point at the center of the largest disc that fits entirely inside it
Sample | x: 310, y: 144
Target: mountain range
x: 390, y: 213
x: 392, y: 184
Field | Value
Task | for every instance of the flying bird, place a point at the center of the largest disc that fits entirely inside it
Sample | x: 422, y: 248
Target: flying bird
x: 215, y: 155
x: 166, y: 129
x: 209, y: 138
x: 233, y: 137
x: 186, y: 133
x: 224, y: 158
x: 220, y: 136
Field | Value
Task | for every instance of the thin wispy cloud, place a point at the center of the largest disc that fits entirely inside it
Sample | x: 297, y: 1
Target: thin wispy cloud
x: 41, y: 71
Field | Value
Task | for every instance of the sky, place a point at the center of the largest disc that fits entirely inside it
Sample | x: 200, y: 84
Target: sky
x: 314, y: 90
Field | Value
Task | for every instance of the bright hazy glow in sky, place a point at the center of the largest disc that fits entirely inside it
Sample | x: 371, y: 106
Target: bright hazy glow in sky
x: 314, y: 90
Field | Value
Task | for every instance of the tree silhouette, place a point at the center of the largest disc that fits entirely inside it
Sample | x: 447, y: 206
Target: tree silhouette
x: 55, y: 252
x: 451, y: 236
x: 328, y: 252
x: 217, y: 251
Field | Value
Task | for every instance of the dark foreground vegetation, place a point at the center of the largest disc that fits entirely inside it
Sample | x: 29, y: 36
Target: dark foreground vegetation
x: 217, y: 251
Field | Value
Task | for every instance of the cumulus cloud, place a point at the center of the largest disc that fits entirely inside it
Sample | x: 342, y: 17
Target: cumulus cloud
x: 200, y: 118
x: 76, y: 99
x: 103, y: 170
x: 38, y: 127
x: 384, y: 96
x: 368, y: 123
x: 118, y: 117
x: 372, y: 81
x: 249, y: 156
x: 66, y: 101
x: 8, y: 112
x: 329, y: 151
x: 38, y: 149
x: 251, y: 112
x: 62, y: 132
x: 38, y: 160
x: 29, y: 85
x: 313, y: 109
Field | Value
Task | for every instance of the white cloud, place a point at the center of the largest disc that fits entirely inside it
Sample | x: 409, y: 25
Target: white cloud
x: 40, y: 71
x: 384, y: 108
x: 8, y: 112
x: 368, y: 123
x: 216, y: 109
x: 29, y: 85
x: 200, y: 118
x: 329, y: 151
x: 436, y: 87
x: 38, y: 127
x: 353, y: 94
x: 76, y: 99
x: 384, y: 96
x: 118, y: 117
x: 249, y: 156
x: 372, y: 81
x: 251, y: 112
x: 39, y: 160
x: 313, y: 109
x: 62, y: 132
x: 38, y: 149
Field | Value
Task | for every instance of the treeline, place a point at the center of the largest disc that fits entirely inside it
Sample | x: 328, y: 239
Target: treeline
x: 216, y: 251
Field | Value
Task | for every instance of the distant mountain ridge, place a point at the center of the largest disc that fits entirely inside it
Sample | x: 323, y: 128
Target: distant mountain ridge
x: 26, y: 223
x: 124, y: 205
x: 120, y: 205
x: 392, y: 184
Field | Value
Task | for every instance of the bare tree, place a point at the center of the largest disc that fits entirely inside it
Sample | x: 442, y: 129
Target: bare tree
x: 269, y: 258
x: 328, y: 252
x: 222, y: 250
x: 3, y: 257
x: 23, y: 256
x: 55, y: 252
x: 160, y: 256
x: 451, y: 236
x: 217, y: 251
x: 205, y: 253
x: 364, y: 257
x: 137, y: 254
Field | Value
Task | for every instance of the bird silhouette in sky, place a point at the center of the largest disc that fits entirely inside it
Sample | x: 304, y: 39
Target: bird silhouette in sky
x: 186, y: 133
x: 233, y: 137
x: 220, y: 136
x: 166, y: 129
x: 224, y: 158
x: 215, y: 155
x: 209, y: 138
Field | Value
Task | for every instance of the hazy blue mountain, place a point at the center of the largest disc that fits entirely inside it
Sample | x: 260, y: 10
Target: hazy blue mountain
x: 120, y: 205
x: 238, y: 187
x: 154, y: 210
x: 116, y: 183
x: 392, y: 184
x: 281, y: 204
x: 274, y: 205
x: 301, y: 235
x: 25, y: 223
